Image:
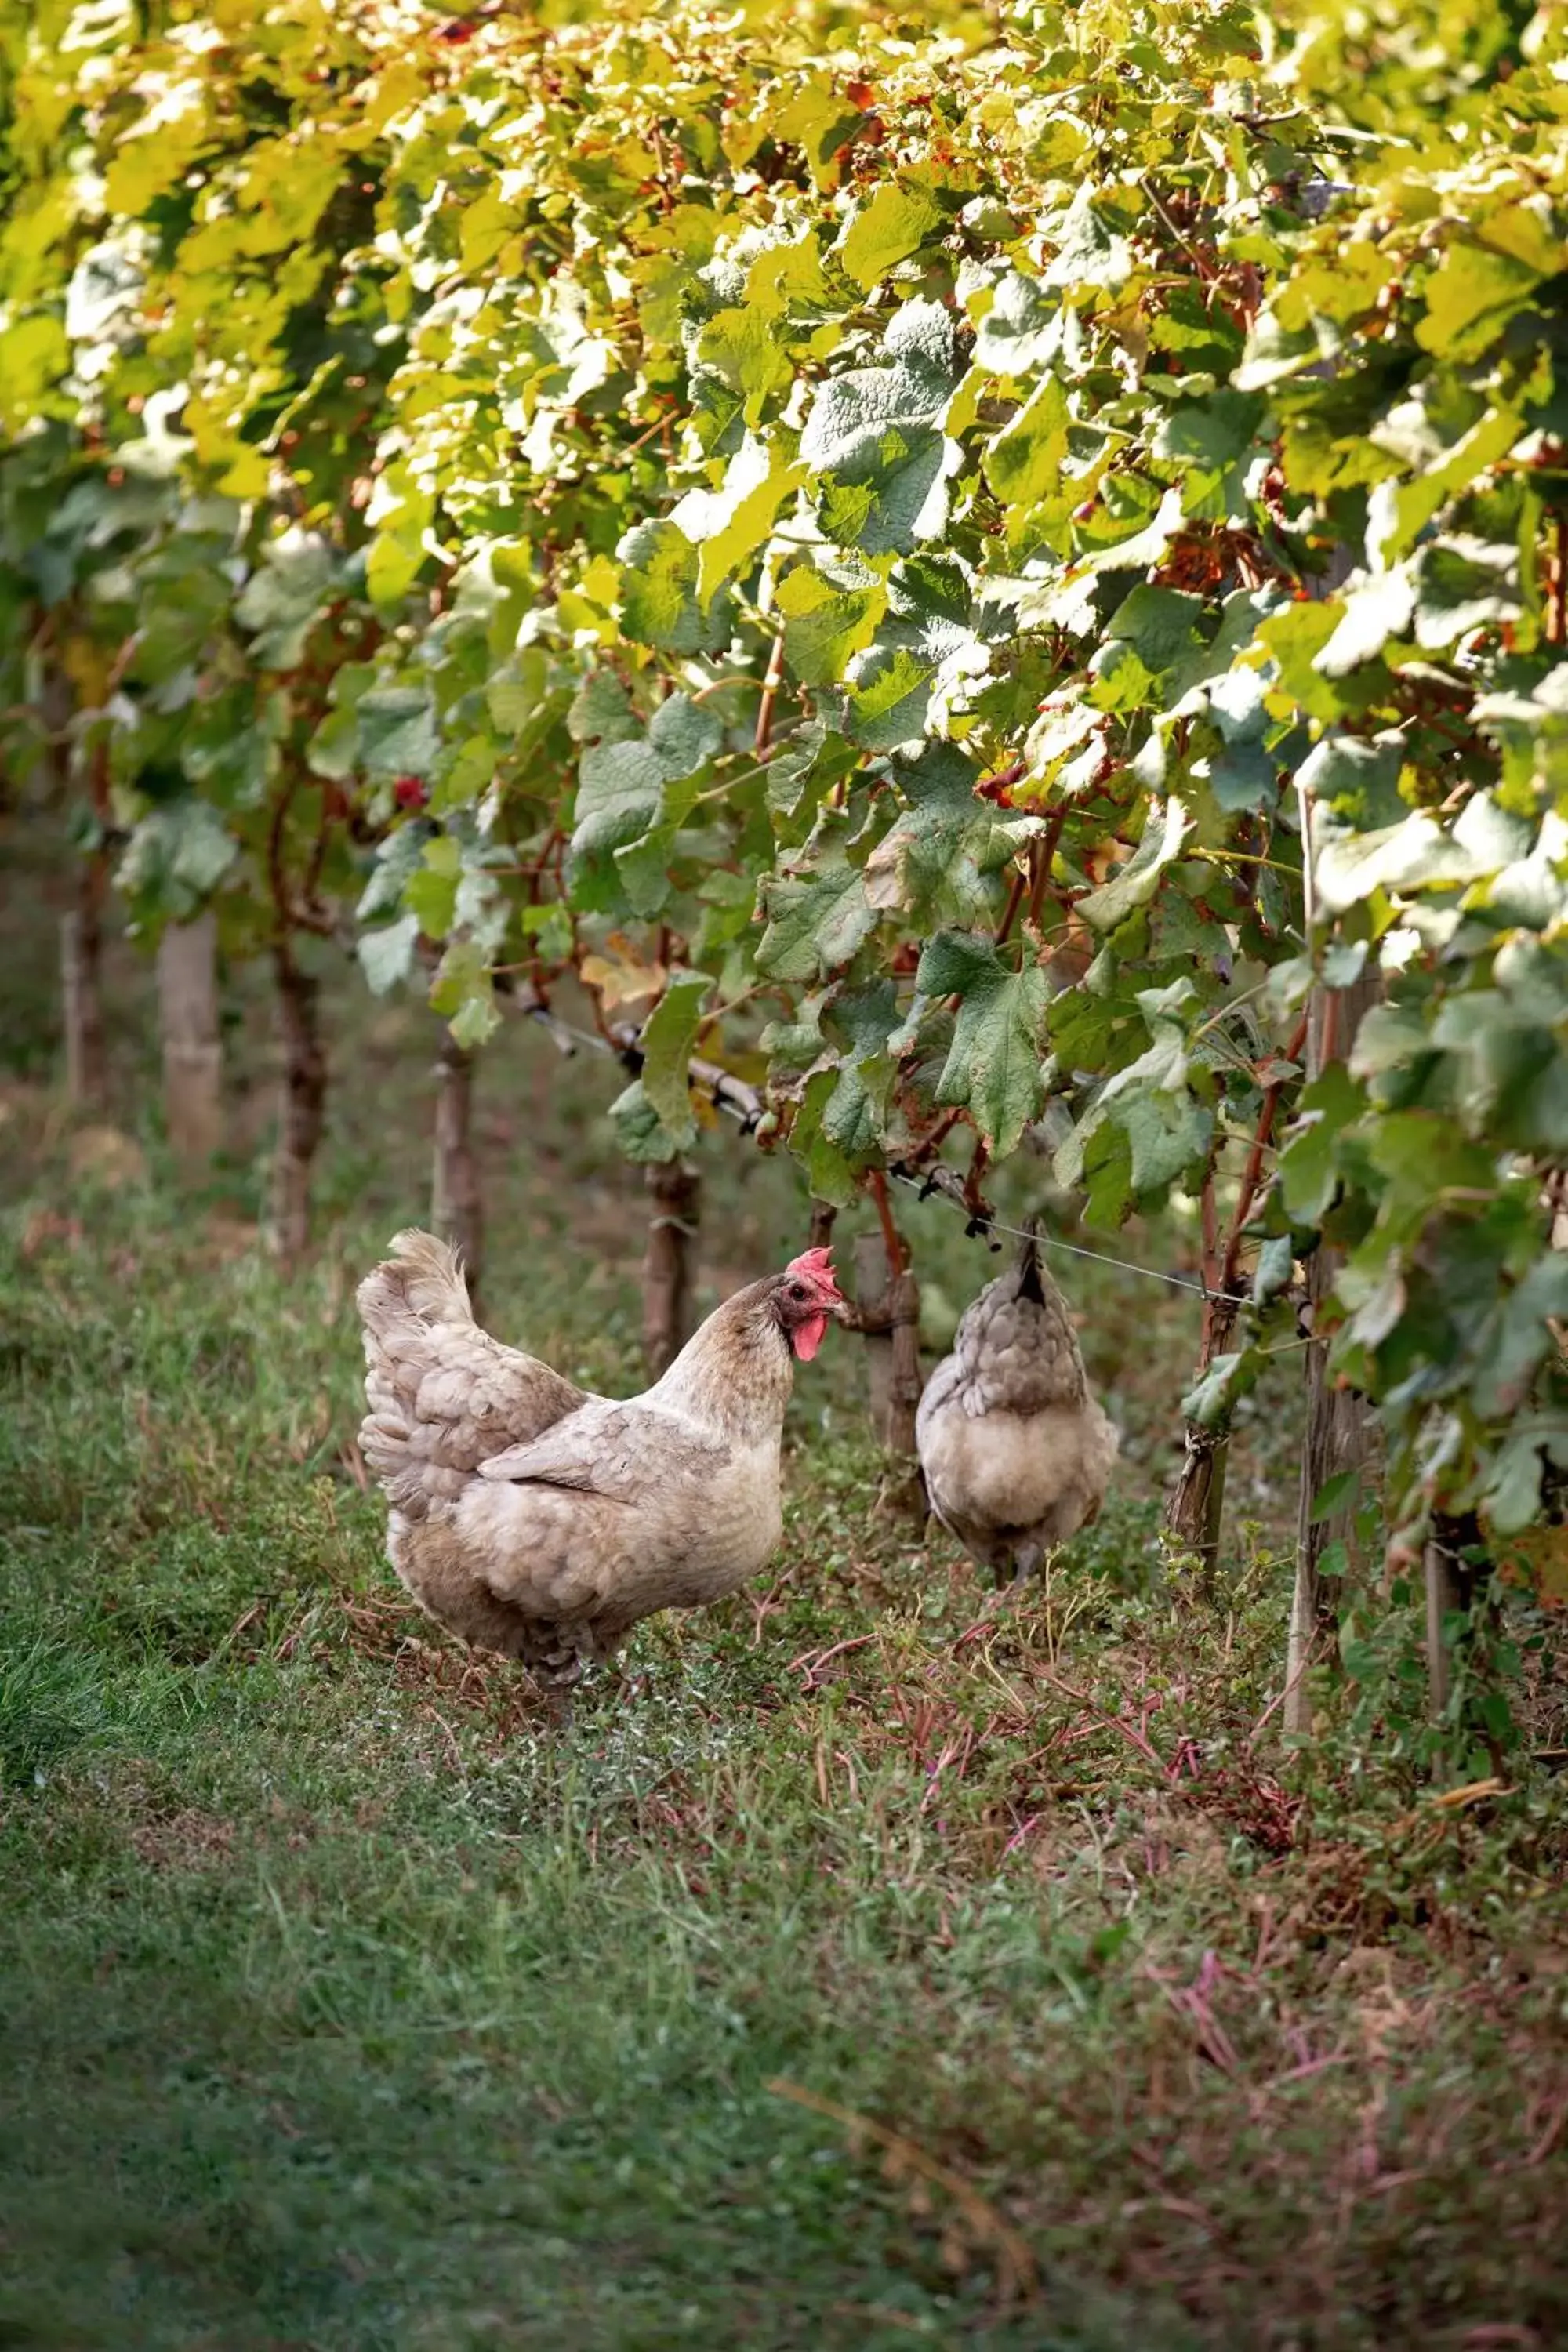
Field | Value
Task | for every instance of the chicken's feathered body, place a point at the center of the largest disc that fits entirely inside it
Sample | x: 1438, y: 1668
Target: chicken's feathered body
x: 1016, y: 1453
x: 538, y: 1519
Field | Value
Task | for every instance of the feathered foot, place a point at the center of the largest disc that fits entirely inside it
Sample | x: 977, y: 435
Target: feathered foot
x: 1027, y: 1558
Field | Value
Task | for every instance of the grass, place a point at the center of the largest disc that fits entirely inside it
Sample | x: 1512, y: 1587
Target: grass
x: 871, y: 1969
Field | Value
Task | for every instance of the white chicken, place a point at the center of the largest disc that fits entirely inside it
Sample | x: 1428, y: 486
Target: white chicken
x: 540, y: 1520
x: 1015, y: 1452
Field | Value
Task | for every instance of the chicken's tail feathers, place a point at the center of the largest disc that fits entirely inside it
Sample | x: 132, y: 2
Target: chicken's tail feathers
x: 1032, y: 1276
x: 405, y: 1303
x: 1035, y: 1286
x: 422, y: 1278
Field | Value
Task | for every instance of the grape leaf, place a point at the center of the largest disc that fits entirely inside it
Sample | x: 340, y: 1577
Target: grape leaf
x: 993, y: 1068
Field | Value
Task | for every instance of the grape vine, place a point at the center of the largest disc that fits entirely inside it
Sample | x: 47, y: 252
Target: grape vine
x: 970, y: 575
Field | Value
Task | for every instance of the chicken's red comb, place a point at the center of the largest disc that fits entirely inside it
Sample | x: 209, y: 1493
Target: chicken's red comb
x: 816, y: 1265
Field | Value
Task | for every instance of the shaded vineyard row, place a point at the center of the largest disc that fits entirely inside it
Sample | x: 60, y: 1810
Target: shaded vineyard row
x: 1006, y: 587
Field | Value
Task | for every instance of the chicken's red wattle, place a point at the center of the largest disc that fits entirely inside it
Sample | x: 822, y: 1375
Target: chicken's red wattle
x: 807, y: 1338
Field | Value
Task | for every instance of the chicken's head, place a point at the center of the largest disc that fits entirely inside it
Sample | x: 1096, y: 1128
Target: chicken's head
x: 805, y: 1296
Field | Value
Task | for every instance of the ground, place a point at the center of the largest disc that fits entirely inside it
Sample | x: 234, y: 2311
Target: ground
x: 867, y: 1967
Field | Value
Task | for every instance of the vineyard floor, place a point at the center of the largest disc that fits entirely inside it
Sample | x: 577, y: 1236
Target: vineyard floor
x: 346, y: 2006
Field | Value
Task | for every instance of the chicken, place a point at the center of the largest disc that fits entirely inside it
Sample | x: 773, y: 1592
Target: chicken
x: 1015, y: 1452
x: 537, y: 1519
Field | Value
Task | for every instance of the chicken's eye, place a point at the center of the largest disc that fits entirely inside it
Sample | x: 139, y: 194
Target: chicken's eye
x: 797, y: 1290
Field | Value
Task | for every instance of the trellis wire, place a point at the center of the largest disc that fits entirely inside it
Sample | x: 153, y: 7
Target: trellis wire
x: 746, y: 1114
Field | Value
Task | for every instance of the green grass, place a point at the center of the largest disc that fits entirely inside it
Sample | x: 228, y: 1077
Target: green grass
x: 347, y: 2006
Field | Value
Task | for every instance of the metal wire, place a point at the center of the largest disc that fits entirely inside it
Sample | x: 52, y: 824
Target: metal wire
x: 1049, y: 1241
x: 560, y: 1029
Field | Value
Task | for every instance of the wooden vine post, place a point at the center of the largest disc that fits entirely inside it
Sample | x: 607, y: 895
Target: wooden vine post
x: 82, y: 925
x: 302, y: 1112
x: 670, y: 1261
x: 1335, y: 1441
x: 1196, y: 1507
x: 887, y: 1313
x: 192, y: 1049
x: 456, y: 1203
x: 81, y: 997
x: 296, y: 912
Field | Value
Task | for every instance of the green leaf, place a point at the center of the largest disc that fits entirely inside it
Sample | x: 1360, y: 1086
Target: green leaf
x: 927, y: 642
x: 815, y: 922
x: 941, y: 860
x: 397, y: 731
x: 668, y: 1038
x: 464, y: 991
x: 640, y: 1133
x: 1294, y: 638
x: 1275, y: 353
x: 805, y: 769
x: 819, y: 122
x: 1399, y: 512
x: 1022, y: 329
x: 1470, y: 296
x: 601, y: 712
x: 525, y: 698
x: 1167, y: 1133
x: 175, y: 859
x: 873, y: 436
x: 1276, y: 1264
x: 484, y: 229
x: 744, y: 350
x: 828, y: 1172
x: 729, y: 524
x: 397, y: 556
x: 33, y: 354
x: 1334, y: 1494
x: 1309, y: 1160
x: 398, y: 855
x: 1520, y: 1338
x: 1380, y: 607
x: 474, y: 1021
x: 387, y: 956
x: 1090, y: 250
x: 621, y: 827
x: 1353, y: 780
x: 992, y: 1067
x: 1416, y: 855
x: 684, y: 735
x: 1024, y: 464
x: 659, y: 602
x: 1133, y: 884
x: 620, y: 794
x: 1160, y: 624
x: 824, y: 624
x: 850, y: 1117
x: 1211, y: 1402
x: 286, y: 595
x: 1390, y: 1037
x: 432, y: 900
x: 1464, y: 584
x: 892, y: 224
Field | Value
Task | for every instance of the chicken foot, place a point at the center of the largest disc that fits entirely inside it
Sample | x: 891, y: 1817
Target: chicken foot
x: 1027, y: 1559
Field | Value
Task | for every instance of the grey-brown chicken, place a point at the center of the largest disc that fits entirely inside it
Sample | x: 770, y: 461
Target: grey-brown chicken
x: 1016, y: 1453
x: 538, y: 1519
